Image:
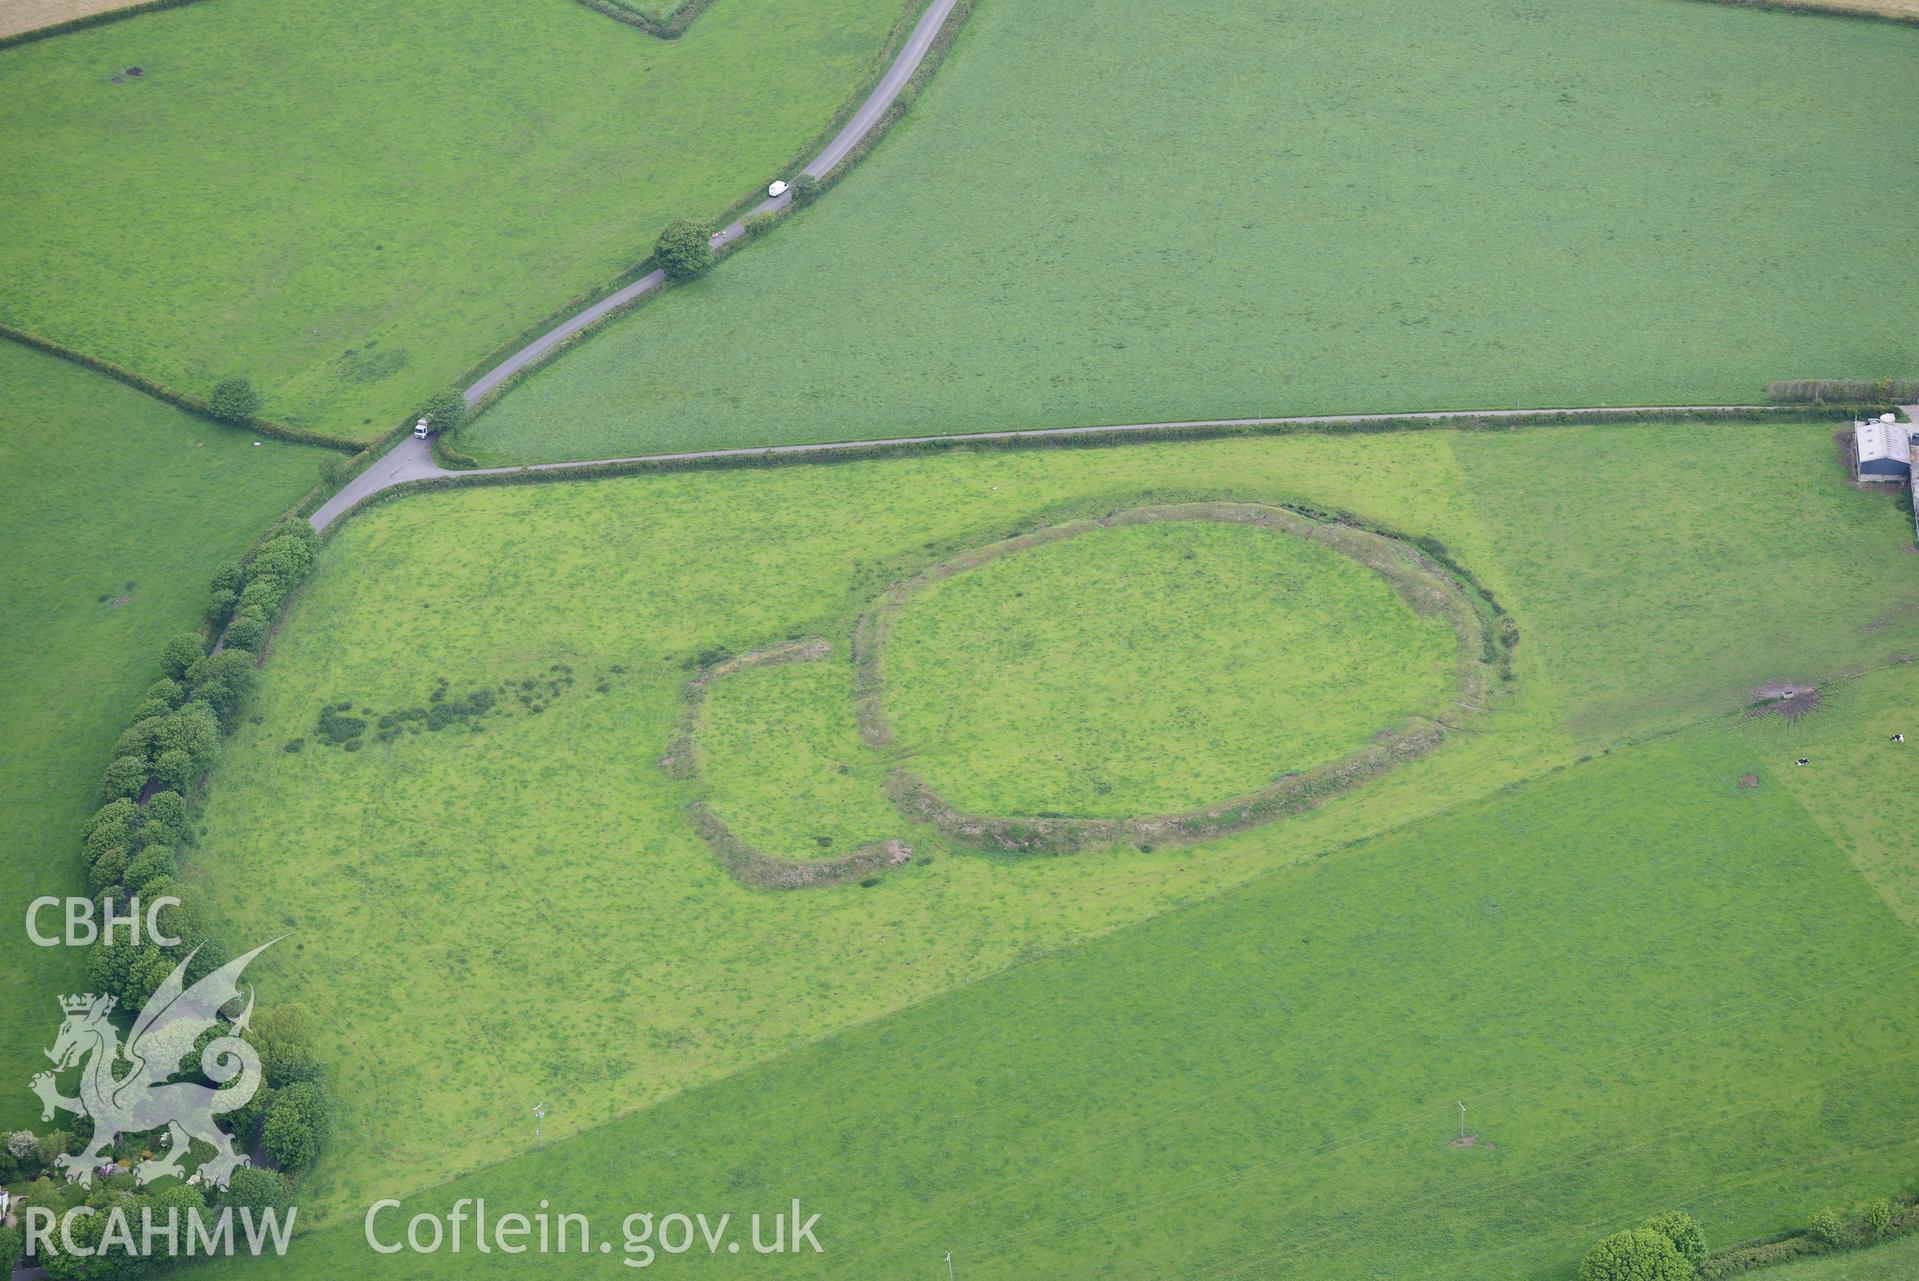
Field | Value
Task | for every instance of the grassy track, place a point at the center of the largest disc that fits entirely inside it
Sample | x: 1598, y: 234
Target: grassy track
x: 354, y: 202
x: 600, y: 961
x: 1639, y: 1010
x: 104, y: 494
x: 1170, y: 211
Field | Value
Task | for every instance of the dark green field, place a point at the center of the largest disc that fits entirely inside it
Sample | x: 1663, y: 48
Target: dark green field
x: 1105, y: 213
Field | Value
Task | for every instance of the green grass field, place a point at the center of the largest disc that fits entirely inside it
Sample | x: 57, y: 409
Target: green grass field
x: 1650, y: 988
x: 600, y: 961
x: 114, y: 511
x: 1152, y: 669
x: 1190, y: 210
x: 352, y: 203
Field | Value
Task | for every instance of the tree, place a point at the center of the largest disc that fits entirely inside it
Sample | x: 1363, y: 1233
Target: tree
x: 1679, y: 1228
x: 110, y: 831
x: 107, y: 871
x: 446, y: 412
x: 182, y: 652
x: 284, y: 1037
x: 1639, y: 1255
x: 248, y: 630
x: 152, y: 864
x: 1879, y: 1216
x: 167, y: 809
x: 806, y: 189
x: 175, y: 769
x: 224, y: 681
x: 296, y: 1125
x: 13, y: 1242
x: 125, y: 776
x: 256, y: 1189
x: 137, y: 737
x: 195, y: 730
x: 1828, y: 1226
x: 234, y: 400
x: 684, y: 250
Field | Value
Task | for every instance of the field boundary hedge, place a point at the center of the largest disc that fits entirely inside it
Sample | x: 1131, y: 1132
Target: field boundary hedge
x: 1843, y: 391
x: 747, y: 864
x: 179, y: 399
x: 1091, y: 438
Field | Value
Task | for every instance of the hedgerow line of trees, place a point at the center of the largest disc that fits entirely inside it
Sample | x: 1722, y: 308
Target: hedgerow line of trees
x: 132, y: 847
x: 1671, y: 1246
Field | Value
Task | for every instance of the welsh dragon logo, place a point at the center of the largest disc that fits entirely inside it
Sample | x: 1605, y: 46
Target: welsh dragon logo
x: 125, y: 1089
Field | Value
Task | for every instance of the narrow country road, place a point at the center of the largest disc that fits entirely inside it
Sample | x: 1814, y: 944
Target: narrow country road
x: 413, y: 459
x: 883, y: 96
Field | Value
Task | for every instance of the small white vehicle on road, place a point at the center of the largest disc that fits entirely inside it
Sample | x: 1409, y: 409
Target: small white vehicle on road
x: 777, y: 189
x: 421, y: 431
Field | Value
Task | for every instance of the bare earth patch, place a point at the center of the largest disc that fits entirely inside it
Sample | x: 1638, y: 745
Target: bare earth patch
x: 1747, y: 782
x: 1787, y: 700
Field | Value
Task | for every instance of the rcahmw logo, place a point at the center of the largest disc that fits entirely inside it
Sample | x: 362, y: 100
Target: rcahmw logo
x: 127, y: 1089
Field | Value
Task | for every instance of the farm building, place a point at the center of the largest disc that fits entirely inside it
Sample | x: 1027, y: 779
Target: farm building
x: 1882, y: 448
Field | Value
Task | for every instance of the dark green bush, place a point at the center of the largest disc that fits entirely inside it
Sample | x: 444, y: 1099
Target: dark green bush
x: 296, y: 1125
x: 137, y: 738
x: 446, y: 412
x: 169, y: 809
x: 1749, y: 1258
x: 1679, y: 1228
x: 227, y: 578
x: 806, y: 189
x: 220, y: 606
x: 248, y: 631
x: 182, y: 652
x: 193, y: 730
x: 336, y: 727
x: 154, y: 863
x: 107, y: 871
x: 176, y: 769
x: 1639, y: 1255
x: 684, y: 250
x: 759, y: 224
x: 224, y: 681
x: 234, y: 400
x: 125, y: 777
x: 257, y: 1190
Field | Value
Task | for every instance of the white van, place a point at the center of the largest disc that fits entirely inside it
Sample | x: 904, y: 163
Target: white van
x: 421, y: 431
